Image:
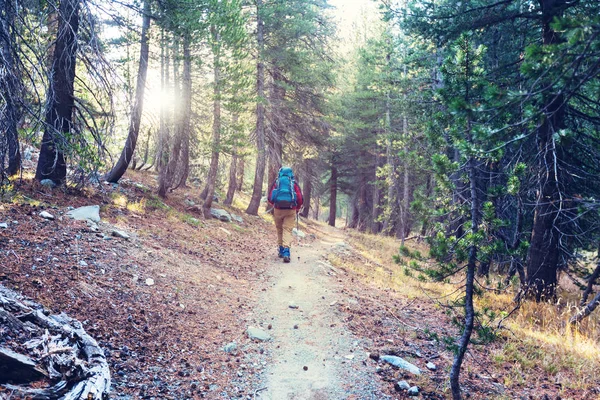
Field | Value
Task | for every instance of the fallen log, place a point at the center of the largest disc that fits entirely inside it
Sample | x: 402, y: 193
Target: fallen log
x: 65, y: 353
x: 18, y: 368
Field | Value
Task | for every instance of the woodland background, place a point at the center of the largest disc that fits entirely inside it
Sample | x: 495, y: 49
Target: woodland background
x: 473, y: 125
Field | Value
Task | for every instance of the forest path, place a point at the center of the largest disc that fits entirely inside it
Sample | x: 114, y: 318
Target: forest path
x: 311, y: 336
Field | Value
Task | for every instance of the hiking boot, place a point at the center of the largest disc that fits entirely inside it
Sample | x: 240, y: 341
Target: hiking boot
x: 280, y: 252
x: 286, y: 254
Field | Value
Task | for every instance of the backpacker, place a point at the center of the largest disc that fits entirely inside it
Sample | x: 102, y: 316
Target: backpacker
x: 284, y: 194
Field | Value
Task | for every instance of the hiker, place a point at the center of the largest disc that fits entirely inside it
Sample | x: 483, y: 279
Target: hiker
x: 286, y: 198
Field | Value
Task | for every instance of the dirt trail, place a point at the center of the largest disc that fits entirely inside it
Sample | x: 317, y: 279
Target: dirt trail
x: 333, y: 357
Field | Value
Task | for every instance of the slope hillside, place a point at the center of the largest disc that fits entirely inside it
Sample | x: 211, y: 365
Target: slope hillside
x: 188, y: 308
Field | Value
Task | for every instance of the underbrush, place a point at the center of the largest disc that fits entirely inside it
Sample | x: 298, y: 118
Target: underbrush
x: 533, y: 342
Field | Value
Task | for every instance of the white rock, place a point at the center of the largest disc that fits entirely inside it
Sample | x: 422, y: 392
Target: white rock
x: 120, y: 234
x: 431, y: 366
x: 91, y: 213
x: 83, y: 263
x: 257, y: 333
x: 402, y: 363
x: 299, y: 233
x: 413, y: 391
x: 46, y: 215
x: 48, y: 183
x: 150, y: 282
x: 3, y: 225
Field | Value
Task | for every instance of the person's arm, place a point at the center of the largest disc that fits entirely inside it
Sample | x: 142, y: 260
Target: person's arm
x: 299, y: 198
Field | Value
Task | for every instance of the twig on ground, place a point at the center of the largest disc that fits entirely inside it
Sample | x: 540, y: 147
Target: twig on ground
x: 257, y: 391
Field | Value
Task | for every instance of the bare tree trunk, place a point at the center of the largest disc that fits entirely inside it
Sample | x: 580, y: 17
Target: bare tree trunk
x: 542, y: 259
x: 10, y: 91
x: 216, y: 129
x: 167, y: 174
x: 146, y: 151
x: 307, y: 188
x: 333, y: 195
x: 162, y: 148
x: 405, y: 208
x: 186, y: 110
x: 138, y: 106
x: 591, y: 281
x: 240, y: 174
x: 60, y: 103
x: 471, y: 266
x: 260, y: 117
x: 232, y: 169
x: 275, y: 142
x: 586, y: 311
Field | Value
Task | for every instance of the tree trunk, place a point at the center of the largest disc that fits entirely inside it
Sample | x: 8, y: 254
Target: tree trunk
x: 146, y: 151
x: 162, y: 147
x: 138, y: 106
x: 240, y: 174
x: 232, y: 169
x: 60, y: 97
x: 186, y: 110
x: 260, y: 117
x: 167, y: 174
x: 471, y: 266
x: 591, y: 281
x: 405, y: 224
x: 216, y: 129
x: 543, y: 256
x: 10, y: 91
x: 333, y: 195
x: 307, y: 189
x: 376, y: 209
x: 277, y: 123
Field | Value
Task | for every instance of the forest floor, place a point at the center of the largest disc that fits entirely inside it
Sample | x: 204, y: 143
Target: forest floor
x: 172, y: 305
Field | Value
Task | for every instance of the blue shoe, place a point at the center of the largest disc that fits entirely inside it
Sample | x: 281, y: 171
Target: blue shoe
x: 286, y: 254
x: 280, y: 252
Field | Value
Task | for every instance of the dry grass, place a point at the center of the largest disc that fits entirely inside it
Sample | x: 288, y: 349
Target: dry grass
x: 535, y: 343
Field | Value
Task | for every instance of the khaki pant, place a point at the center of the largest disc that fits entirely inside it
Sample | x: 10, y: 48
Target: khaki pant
x: 284, y: 222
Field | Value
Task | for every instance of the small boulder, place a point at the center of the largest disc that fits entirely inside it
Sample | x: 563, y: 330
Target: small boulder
x: 413, y: 391
x: 431, y: 366
x: 237, y: 218
x: 258, y: 334
x: 230, y: 347
x: 402, y: 364
x: 402, y: 385
x: 3, y: 225
x: 46, y: 215
x: 150, y: 282
x: 221, y: 215
x: 89, y: 213
x: 120, y: 234
x: 49, y: 183
x: 299, y: 233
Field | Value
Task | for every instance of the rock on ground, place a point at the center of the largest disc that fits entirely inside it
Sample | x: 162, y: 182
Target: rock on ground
x: 221, y: 215
x: 90, y: 213
x: 46, y: 215
x: 257, y: 333
x: 402, y: 363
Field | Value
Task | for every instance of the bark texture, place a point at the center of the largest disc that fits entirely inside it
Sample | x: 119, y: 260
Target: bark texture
x: 260, y: 118
x: 60, y: 103
x: 138, y: 106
